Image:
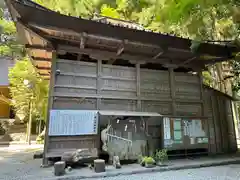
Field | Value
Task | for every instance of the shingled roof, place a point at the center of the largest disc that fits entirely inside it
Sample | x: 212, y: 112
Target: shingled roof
x: 43, y: 30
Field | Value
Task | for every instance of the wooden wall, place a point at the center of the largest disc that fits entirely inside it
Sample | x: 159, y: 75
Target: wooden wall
x: 96, y: 86
x: 82, y: 85
x: 222, y: 137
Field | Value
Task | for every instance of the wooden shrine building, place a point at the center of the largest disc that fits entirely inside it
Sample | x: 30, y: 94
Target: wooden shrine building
x: 102, y: 67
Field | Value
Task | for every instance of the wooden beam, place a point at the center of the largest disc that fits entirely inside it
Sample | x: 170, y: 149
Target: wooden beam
x: 43, y: 68
x: 112, y: 55
x: 77, y: 95
x: 83, y: 37
x: 119, y: 41
x: 138, y: 87
x: 99, y: 82
x: 39, y: 47
x: 44, y: 71
x: 119, y: 52
x: 158, y: 55
x: 142, y: 44
x: 204, y: 110
x: 121, y: 47
x: 107, y: 54
x: 44, y: 74
x: 31, y: 30
x: 180, y: 50
x: 187, y: 61
x: 50, y: 106
x: 41, y: 59
x: 172, y: 89
x: 161, y: 52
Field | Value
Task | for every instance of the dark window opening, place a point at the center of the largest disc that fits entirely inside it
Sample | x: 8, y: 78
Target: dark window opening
x: 153, y: 66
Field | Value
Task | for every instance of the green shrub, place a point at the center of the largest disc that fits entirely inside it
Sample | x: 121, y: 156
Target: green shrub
x: 161, y: 155
x: 147, y: 160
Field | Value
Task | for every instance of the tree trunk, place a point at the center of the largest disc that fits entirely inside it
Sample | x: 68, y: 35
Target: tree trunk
x: 39, y: 126
x: 27, y: 132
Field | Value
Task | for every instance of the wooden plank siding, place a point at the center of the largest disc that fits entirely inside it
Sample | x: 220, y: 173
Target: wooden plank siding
x: 96, y: 86
x: 79, y: 85
x: 222, y: 137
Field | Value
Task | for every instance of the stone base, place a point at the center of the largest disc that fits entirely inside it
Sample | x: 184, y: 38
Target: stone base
x: 116, y: 162
x: 38, y: 155
x: 99, y: 165
x: 59, y: 168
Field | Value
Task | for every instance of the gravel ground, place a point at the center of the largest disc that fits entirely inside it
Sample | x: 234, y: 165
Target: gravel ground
x: 20, y: 165
x: 17, y: 163
x: 230, y: 172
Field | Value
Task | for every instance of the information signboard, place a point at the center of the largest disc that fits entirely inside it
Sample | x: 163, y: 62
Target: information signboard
x: 73, y: 122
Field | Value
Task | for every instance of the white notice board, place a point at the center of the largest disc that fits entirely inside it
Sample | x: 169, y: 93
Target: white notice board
x: 167, y: 130
x: 73, y: 122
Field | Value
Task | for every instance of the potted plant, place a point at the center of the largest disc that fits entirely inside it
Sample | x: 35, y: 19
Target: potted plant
x: 161, y: 157
x: 148, y: 162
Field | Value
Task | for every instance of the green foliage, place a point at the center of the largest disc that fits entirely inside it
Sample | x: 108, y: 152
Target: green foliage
x: 207, y: 78
x: 83, y: 8
x: 108, y: 11
x: 188, y: 18
x: 215, y: 20
x: 161, y: 155
x: 22, y: 94
x: 236, y: 71
x: 9, y: 45
x: 147, y: 160
x: 8, y: 27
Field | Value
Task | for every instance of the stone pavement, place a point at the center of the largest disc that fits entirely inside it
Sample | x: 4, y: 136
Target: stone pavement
x: 17, y: 165
x: 228, y: 172
x: 132, y: 169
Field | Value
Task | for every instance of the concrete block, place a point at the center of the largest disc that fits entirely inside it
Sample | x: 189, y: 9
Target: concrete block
x: 59, y: 168
x: 99, y: 165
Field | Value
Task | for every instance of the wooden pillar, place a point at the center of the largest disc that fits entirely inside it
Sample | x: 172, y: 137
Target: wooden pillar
x: 50, y: 105
x: 99, y: 86
x: 203, y: 113
x: 138, y: 87
x: 172, y: 89
x: 226, y: 124
x: 220, y: 124
x: 214, y: 126
x: 220, y: 77
x: 235, y: 121
x: 203, y: 108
